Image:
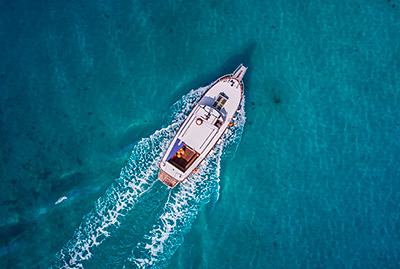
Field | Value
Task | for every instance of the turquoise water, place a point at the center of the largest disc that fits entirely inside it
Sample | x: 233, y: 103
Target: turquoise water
x: 307, y: 178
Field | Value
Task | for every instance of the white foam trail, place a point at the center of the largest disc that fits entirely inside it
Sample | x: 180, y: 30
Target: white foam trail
x: 136, y: 178
x: 179, y: 213
x: 184, y: 204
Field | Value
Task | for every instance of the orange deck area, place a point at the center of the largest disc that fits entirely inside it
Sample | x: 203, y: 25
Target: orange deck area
x: 184, y: 158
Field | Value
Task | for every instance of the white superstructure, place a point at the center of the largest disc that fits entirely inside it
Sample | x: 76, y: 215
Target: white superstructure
x: 202, y: 129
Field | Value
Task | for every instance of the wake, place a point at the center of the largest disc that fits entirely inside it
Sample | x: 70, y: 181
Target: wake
x: 138, y: 178
x: 178, y: 215
x: 184, y: 204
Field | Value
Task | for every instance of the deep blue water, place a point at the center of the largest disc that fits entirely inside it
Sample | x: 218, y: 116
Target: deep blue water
x: 307, y: 178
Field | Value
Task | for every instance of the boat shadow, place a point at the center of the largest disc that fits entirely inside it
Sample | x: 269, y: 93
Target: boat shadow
x: 226, y: 68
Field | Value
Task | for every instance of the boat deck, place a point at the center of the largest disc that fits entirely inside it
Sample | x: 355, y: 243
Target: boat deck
x: 239, y: 72
x: 184, y: 158
x: 203, y: 128
x: 167, y: 179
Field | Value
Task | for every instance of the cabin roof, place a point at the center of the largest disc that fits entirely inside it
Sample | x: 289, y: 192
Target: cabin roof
x: 201, y: 128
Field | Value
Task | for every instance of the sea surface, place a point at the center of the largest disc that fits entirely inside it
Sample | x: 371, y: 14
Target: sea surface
x: 91, y: 93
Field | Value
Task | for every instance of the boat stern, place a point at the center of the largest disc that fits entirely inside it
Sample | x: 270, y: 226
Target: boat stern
x: 167, y: 179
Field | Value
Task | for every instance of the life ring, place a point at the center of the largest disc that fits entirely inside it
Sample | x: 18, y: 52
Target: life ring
x: 199, y: 121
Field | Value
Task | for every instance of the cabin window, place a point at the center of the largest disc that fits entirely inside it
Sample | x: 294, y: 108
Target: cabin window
x: 220, y: 101
x: 184, y: 158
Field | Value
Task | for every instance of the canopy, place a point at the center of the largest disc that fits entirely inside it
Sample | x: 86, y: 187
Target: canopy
x: 177, y: 146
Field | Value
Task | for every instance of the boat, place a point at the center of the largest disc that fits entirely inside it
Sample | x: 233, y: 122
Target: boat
x: 202, y: 128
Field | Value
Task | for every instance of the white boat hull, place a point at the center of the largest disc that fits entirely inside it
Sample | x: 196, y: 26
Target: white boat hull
x: 202, y: 129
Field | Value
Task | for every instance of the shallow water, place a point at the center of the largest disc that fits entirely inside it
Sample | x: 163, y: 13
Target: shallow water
x: 314, y: 179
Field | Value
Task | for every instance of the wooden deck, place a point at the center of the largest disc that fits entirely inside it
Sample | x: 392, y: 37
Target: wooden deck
x: 167, y: 179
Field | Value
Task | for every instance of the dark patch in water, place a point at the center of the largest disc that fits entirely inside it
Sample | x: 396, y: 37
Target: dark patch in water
x: 45, y: 174
x: 277, y: 100
x: 10, y: 231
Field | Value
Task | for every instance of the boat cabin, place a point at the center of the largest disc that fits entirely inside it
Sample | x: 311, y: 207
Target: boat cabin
x: 184, y: 157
